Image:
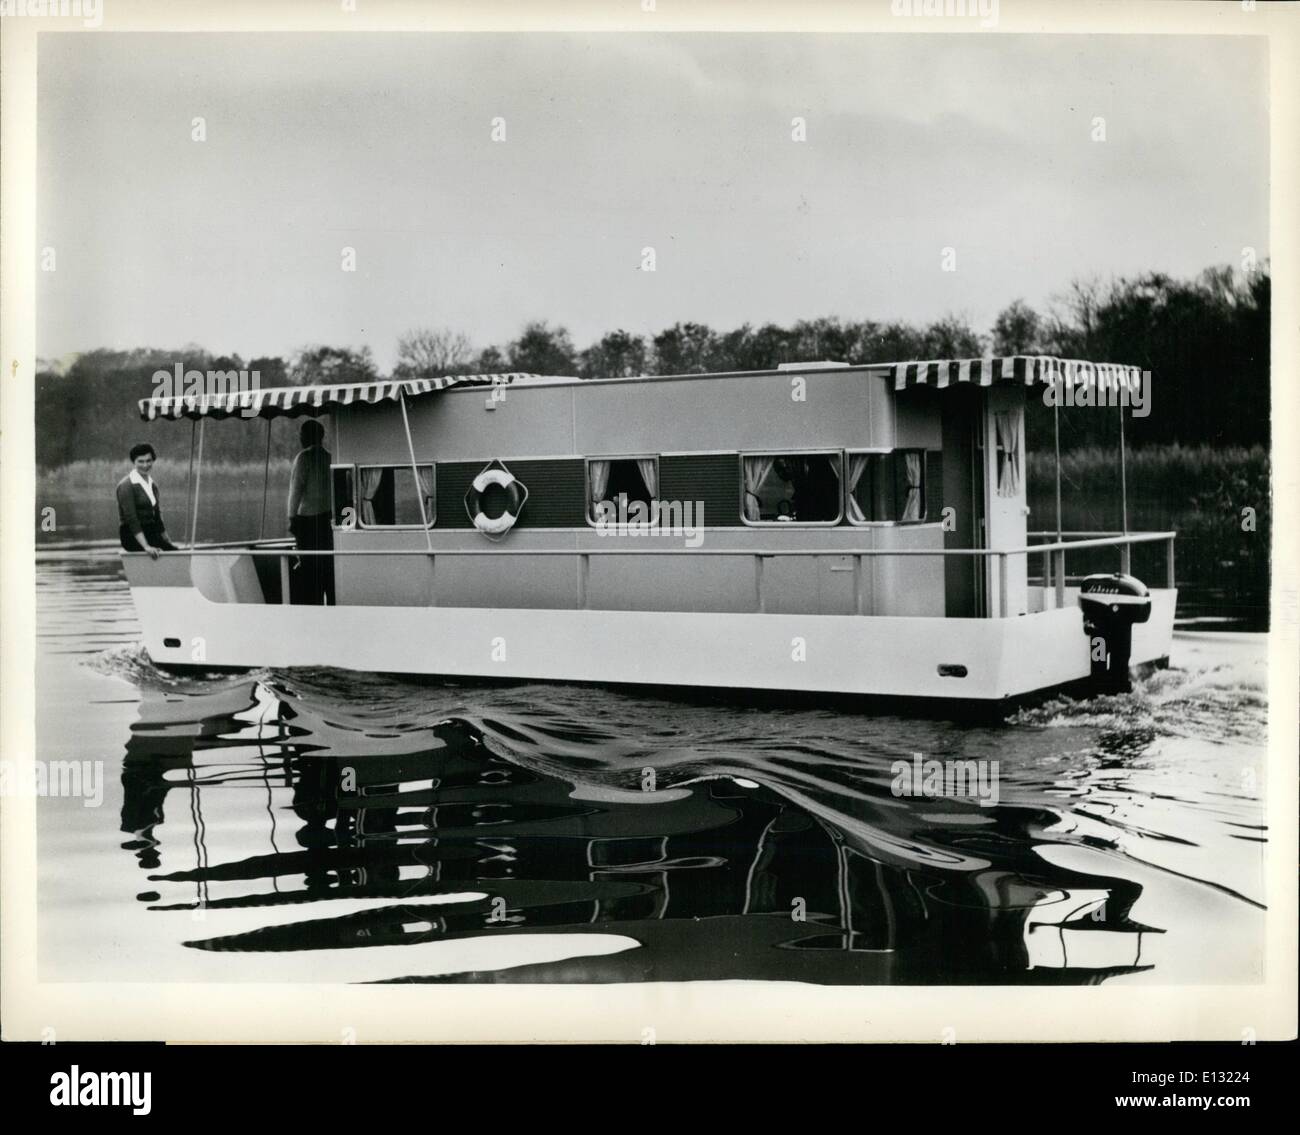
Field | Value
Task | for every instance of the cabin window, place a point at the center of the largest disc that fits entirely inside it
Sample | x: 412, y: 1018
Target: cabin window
x: 343, y: 486
x: 801, y: 488
x: 389, y: 497
x: 1007, y: 425
x: 887, y: 488
x: 614, y: 484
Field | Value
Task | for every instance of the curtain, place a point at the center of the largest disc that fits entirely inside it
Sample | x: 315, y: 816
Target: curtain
x: 425, y: 473
x: 597, y: 482
x: 912, y: 468
x: 756, y: 471
x: 648, y: 467
x: 1008, y: 430
x: 858, y: 463
x: 370, y: 481
x: 1017, y: 432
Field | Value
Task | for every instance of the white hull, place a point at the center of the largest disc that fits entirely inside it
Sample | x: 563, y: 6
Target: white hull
x: 883, y: 656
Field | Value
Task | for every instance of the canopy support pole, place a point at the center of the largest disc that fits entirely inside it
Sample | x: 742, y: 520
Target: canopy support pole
x: 415, y: 472
x: 198, y: 479
x: 266, y: 481
x: 1052, y: 563
x: 1056, y: 430
x: 189, y: 477
x: 1126, y: 550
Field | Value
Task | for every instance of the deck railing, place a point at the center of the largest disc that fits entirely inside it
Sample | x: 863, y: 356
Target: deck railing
x: 1091, y: 537
x: 1054, y: 575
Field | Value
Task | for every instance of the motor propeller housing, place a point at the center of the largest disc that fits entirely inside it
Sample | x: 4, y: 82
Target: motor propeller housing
x: 1112, y: 605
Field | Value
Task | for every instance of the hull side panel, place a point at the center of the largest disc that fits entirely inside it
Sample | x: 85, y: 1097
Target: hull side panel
x: 883, y: 656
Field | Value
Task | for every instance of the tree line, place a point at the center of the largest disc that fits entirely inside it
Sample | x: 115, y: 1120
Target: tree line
x: 1205, y: 341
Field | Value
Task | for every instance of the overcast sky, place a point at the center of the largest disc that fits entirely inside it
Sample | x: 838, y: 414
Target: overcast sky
x: 381, y: 143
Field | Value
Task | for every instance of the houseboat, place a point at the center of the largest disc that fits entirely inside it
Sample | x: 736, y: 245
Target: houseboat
x: 820, y: 529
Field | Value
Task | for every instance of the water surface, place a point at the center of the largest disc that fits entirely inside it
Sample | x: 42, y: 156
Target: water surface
x: 320, y: 825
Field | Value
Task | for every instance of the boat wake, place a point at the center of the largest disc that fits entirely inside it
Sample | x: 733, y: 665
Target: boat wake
x: 133, y: 664
x: 841, y: 768
x: 1218, y: 694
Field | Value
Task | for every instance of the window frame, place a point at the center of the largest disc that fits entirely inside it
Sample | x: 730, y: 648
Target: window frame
x: 828, y: 452
x: 356, y: 489
x: 586, y: 476
x: 351, y: 468
x: 877, y: 451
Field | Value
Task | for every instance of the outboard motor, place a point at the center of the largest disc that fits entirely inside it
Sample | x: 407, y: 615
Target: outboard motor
x: 1111, y: 605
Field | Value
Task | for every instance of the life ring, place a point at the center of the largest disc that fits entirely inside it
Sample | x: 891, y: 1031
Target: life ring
x: 516, y: 494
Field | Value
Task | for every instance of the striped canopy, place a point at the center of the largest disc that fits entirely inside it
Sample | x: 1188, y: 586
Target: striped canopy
x: 1027, y: 369
x: 295, y: 401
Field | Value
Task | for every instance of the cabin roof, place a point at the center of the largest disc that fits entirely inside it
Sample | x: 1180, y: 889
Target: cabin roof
x: 1025, y: 369
x: 297, y: 401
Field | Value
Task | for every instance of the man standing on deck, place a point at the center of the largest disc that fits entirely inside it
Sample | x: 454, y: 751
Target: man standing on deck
x: 309, y: 518
x: 140, y: 515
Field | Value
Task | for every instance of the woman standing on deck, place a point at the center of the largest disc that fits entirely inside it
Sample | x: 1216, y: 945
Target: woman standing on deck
x: 309, y: 517
x: 140, y: 515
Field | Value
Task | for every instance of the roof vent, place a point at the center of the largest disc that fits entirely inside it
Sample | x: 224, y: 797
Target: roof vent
x: 820, y: 365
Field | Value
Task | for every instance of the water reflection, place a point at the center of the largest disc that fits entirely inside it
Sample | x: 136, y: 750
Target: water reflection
x: 405, y: 828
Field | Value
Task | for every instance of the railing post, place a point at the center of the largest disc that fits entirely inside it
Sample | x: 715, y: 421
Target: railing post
x: 1047, y: 571
x: 1126, y: 559
x: 1003, y: 588
x: 1058, y: 574
x: 284, y: 578
x: 758, y: 584
x: 584, y: 573
x: 1169, y: 564
x: 858, y: 598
